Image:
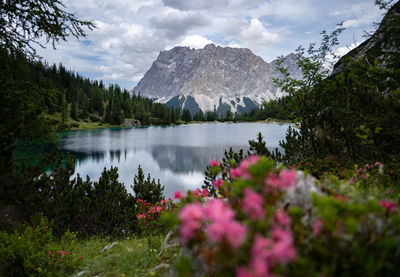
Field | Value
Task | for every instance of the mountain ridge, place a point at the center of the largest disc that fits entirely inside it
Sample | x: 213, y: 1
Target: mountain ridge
x: 215, y: 77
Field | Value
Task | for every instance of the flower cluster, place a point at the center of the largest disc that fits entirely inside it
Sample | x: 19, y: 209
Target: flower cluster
x: 217, y: 220
x: 227, y: 228
x: 58, y: 255
x: 242, y: 169
x: 267, y: 252
x: 390, y: 206
x: 149, y: 215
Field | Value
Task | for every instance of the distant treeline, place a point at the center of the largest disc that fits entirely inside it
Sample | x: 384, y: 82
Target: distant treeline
x: 77, y: 98
x: 281, y: 108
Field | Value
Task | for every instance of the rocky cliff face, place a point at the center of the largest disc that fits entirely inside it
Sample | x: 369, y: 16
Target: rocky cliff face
x: 381, y: 49
x: 217, y: 77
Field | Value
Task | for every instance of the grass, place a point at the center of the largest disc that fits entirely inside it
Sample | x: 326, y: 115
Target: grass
x: 130, y: 257
x: 82, y: 125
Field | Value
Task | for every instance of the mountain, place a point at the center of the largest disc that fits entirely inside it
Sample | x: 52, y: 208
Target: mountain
x: 382, y: 48
x: 220, y: 78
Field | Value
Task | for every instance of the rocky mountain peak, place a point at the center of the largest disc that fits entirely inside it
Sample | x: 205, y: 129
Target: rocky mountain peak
x: 223, y: 78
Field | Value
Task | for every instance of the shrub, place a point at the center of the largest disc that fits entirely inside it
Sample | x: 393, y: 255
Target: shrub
x: 148, y: 189
x: 265, y: 222
x: 34, y: 251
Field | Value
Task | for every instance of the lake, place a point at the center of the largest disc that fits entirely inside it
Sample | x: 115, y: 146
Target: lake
x: 177, y: 155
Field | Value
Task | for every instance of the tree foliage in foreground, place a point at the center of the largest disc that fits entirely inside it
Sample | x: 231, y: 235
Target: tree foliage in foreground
x: 25, y: 23
x: 351, y: 115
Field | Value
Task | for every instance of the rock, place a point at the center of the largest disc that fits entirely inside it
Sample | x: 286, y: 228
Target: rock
x: 300, y: 195
x: 130, y: 122
x: 81, y: 273
x: 157, y: 267
x: 169, y: 241
x: 213, y: 77
x: 108, y: 247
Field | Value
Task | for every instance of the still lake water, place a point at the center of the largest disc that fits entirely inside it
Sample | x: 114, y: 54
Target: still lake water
x: 177, y: 155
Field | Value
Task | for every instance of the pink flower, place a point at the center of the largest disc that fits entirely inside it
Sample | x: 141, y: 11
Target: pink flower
x: 317, y: 226
x: 217, y: 210
x: 234, y: 173
x: 204, y: 193
x: 159, y: 208
x: 241, y: 170
x: 196, y: 192
x: 140, y: 216
x: 260, y: 254
x: 286, y: 179
x: 178, y: 194
x: 243, y: 272
x: 223, y: 225
x: 282, y: 218
x: 253, y: 204
x: 217, y: 183
x: 236, y: 233
x: 353, y: 180
x: 282, y: 250
x: 233, y: 231
x: 378, y: 163
x: 390, y: 206
x: 191, y: 216
x: 214, y: 162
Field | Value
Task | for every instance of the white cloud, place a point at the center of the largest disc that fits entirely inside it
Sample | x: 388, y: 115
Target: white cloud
x: 195, y: 41
x: 251, y: 34
x: 131, y: 33
x: 175, y: 24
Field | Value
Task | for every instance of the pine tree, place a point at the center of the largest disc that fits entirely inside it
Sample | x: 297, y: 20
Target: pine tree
x: 147, y: 189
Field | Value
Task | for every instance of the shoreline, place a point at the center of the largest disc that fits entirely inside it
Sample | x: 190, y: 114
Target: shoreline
x: 92, y: 126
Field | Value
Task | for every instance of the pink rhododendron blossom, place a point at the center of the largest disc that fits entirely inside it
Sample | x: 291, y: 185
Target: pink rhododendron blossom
x: 140, y: 216
x: 283, y: 250
x: 283, y: 181
x: 158, y: 208
x: 178, y: 194
x: 217, y: 210
x: 253, y: 204
x: 231, y: 230
x: 288, y: 178
x: 217, y: 183
x: 241, y: 170
x: 197, y: 192
x: 234, y: 173
x: 353, y: 180
x: 243, y: 272
x: 214, y: 162
x: 191, y: 216
x: 204, y: 193
x: 259, y: 255
x: 282, y: 218
x: 223, y: 225
x: 317, y: 226
x: 390, y: 206
x: 236, y: 233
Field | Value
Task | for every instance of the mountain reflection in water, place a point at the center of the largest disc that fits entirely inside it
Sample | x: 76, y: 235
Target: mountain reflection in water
x: 177, y: 155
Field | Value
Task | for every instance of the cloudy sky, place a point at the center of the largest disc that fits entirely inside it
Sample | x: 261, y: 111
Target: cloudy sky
x: 131, y: 33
